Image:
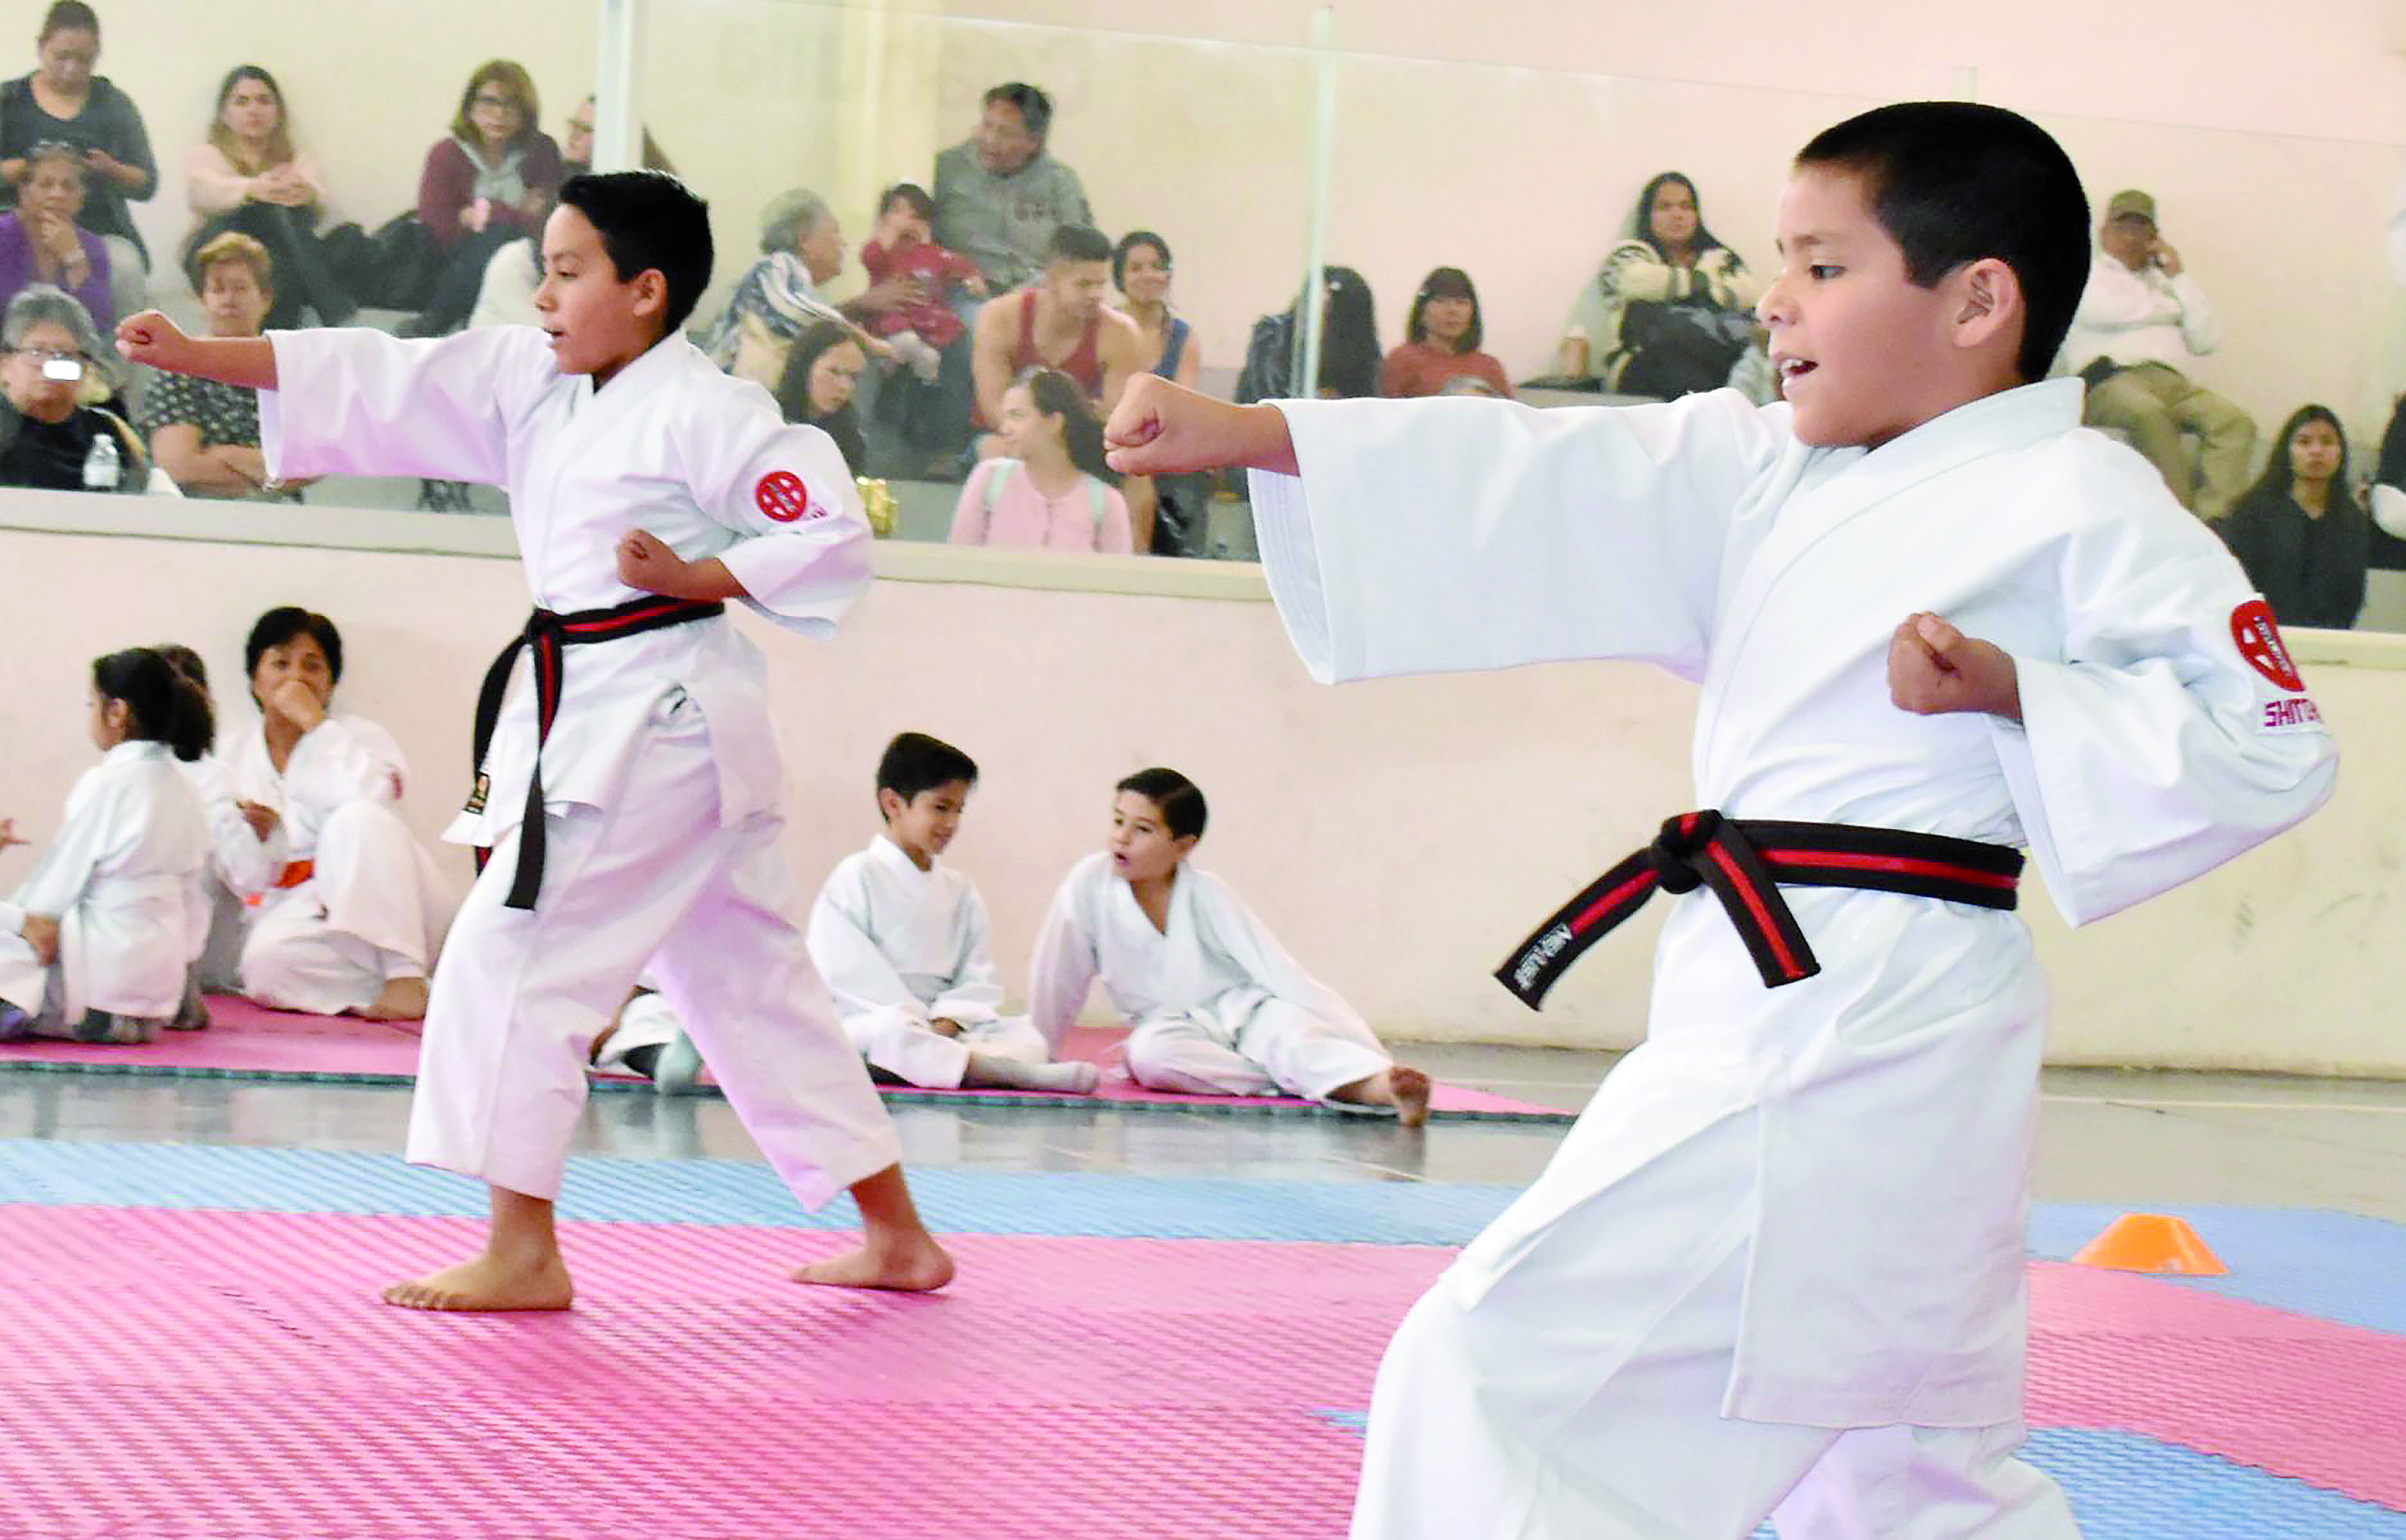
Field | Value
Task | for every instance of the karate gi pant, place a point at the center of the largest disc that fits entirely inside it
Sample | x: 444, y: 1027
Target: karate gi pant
x: 374, y: 909
x: 219, y: 967
x: 1272, y: 1047
x: 1572, y: 1390
x: 652, y: 885
x: 898, y: 1043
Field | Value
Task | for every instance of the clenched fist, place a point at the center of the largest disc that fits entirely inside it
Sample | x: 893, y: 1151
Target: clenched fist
x: 1934, y: 668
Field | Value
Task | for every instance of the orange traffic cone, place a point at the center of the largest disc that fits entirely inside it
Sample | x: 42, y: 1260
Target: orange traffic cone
x: 2151, y: 1243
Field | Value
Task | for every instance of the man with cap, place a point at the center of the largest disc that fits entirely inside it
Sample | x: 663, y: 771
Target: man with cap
x: 2143, y: 321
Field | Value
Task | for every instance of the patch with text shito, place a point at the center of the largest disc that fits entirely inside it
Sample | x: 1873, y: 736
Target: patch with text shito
x: 2259, y: 642
x: 783, y: 497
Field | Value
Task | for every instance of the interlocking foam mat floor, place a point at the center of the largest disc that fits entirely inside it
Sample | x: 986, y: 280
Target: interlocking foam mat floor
x: 189, y: 1347
x: 246, y: 1042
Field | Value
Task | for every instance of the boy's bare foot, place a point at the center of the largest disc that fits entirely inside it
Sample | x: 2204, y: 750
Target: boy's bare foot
x: 1411, y: 1089
x: 910, y: 1263
x: 400, y: 1000
x: 1073, y: 1076
x: 488, y: 1282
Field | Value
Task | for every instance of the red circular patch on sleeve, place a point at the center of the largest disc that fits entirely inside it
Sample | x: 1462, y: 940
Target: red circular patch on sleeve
x: 2259, y: 642
x: 782, y: 496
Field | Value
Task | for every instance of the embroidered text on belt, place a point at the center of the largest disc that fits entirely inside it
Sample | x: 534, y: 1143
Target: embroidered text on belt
x: 547, y: 637
x: 1744, y: 862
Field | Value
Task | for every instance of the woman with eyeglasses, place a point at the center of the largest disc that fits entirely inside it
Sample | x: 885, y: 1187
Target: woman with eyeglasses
x: 52, y: 381
x: 63, y: 102
x: 489, y: 183
x: 40, y: 241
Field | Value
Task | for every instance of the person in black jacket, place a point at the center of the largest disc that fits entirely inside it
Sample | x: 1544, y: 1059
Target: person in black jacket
x: 2299, y: 531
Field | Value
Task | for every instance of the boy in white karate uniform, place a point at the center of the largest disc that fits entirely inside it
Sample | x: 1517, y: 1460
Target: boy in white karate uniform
x: 902, y: 939
x: 1779, y: 1262
x: 352, y: 918
x: 627, y: 784
x: 1215, y: 1006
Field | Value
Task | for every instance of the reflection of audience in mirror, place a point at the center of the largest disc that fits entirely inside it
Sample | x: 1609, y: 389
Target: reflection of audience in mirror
x: 577, y: 144
x: 40, y: 241
x: 489, y: 183
x: 242, y: 861
x: 63, y: 101
x: 357, y: 909
x: 1170, y: 515
x: 54, y: 429
x: 918, y: 323
x: 801, y: 247
x: 202, y: 434
x: 95, y: 943
x: 2298, y: 531
x: 248, y: 177
x: 1060, y: 322
x: 1672, y: 310
x: 2143, y: 324
x: 999, y: 195
x: 1049, y: 488
x: 1440, y: 343
x: 1349, y: 345
x: 2386, y: 499
x: 822, y: 373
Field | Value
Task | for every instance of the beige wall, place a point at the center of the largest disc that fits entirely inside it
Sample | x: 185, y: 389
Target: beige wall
x: 1400, y: 836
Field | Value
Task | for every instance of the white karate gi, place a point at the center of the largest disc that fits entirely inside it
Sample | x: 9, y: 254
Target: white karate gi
x: 242, y: 866
x: 902, y: 948
x: 371, y: 907
x: 1215, y: 1006
x: 1797, y: 1211
x: 121, y: 878
x: 661, y: 775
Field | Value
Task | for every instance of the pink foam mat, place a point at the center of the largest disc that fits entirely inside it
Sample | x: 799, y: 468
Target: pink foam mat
x: 246, y: 1039
x: 187, y: 1374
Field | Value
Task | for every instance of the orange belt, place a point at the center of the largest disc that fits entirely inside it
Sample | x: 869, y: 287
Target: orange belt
x: 297, y: 874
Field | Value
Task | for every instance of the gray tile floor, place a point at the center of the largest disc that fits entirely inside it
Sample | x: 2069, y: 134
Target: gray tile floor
x: 2134, y: 1138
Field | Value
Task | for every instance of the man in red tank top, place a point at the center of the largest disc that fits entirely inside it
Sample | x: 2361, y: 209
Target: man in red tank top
x: 1058, y: 322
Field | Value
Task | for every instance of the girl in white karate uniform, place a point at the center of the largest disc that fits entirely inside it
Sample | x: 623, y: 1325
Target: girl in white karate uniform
x: 96, y: 945
x: 355, y: 911
x: 1215, y: 1006
x: 1778, y: 1263
x: 244, y: 858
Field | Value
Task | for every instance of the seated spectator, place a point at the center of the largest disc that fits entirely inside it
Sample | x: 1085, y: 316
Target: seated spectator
x: 1672, y: 311
x: 920, y: 324
x: 1051, y: 489
x: 54, y: 379
x: 63, y: 102
x: 2298, y: 531
x: 1349, y: 345
x: 1440, y: 343
x: 577, y: 144
x: 2143, y: 322
x: 1059, y: 323
x: 2386, y: 498
x: 202, y: 434
x: 248, y: 177
x: 999, y: 196
x: 822, y: 371
x: 801, y: 247
x: 490, y: 182
x: 40, y: 241
x: 1171, y: 514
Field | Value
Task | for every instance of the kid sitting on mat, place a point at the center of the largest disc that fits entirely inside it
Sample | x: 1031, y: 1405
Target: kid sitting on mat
x: 1216, y: 1006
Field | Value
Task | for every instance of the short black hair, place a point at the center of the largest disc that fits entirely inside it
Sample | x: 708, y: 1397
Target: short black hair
x: 162, y: 706
x: 1035, y: 108
x: 1077, y: 243
x: 1128, y: 243
x: 279, y: 626
x: 1183, y: 812
x: 914, y: 762
x: 907, y: 192
x: 649, y: 221
x: 1955, y: 182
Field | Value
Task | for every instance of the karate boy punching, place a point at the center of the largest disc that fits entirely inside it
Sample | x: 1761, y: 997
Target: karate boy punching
x: 628, y: 781
x: 1778, y: 1262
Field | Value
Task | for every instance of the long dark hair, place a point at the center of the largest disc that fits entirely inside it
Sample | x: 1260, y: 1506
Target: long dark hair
x: 162, y: 706
x: 1056, y: 395
x: 793, y: 391
x: 1447, y: 283
x: 1704, y: 241
x: 2279, y: 475
x: 1348, y: 335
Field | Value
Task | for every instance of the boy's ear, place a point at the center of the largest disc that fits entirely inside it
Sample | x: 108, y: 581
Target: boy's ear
x: 890, y: 803
x: 651, y: 292
x: 1986, y: 304
x: 1184, y: 845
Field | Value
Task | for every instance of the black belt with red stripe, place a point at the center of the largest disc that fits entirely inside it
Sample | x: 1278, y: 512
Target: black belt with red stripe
x: 1745, y: 862
x: 548, y: 635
